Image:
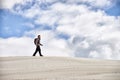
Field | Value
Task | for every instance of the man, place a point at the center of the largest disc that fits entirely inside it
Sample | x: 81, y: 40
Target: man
x: 38, y: 44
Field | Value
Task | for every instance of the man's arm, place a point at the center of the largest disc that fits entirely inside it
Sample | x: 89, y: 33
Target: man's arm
x: 41, y: 44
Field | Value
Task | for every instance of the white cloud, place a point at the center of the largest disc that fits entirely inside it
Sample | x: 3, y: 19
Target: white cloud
x: 105, y: 52
x: 47, y: 18
x: 24, y: 46
x: 95, y: 3
x: 93, y: 34
x: 100, y: 39
x: 16, y: 46
x: 80, y: 24
x: 9, y: 4
x: 100, y: 3
x: 32, y: 12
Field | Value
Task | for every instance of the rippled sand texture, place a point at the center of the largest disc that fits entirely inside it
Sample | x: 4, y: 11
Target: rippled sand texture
x: 58, y: 68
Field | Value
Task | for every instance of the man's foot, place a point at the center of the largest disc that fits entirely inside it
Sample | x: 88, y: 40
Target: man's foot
x: 41, y: 55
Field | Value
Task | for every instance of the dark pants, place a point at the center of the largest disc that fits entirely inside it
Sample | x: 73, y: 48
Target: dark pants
x: 37, y: 50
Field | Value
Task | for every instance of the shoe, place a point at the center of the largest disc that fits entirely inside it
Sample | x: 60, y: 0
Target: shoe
x: 41, y: 55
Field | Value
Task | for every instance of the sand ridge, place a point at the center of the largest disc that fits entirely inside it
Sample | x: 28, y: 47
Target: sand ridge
x: 58, y: 68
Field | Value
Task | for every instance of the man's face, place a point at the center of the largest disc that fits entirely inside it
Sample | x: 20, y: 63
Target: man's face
x: 39, y: 36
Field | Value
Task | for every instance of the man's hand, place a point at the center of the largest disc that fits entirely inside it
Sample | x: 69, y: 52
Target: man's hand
x: 41, y: 44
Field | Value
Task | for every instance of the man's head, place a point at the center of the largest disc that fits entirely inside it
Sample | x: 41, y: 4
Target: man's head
x: 39, y: 36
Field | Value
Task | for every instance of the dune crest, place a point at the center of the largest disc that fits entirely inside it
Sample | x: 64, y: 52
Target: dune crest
x: 58, y: 68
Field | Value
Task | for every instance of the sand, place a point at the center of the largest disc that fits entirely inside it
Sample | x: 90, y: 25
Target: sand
x: 58, y: 68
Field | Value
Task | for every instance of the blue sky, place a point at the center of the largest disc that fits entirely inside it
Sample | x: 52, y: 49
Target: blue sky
x: 12, y: 24
x: 63, y: 25
x: 114, y: 10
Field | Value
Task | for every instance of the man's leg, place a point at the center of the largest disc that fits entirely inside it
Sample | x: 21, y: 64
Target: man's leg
x: 40, y: 52
x: 35, y: 51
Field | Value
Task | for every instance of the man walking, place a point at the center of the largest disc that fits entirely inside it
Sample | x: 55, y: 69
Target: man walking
x: 38, y: 44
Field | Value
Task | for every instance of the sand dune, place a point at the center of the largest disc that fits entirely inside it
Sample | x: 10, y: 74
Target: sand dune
x: 58, y: 68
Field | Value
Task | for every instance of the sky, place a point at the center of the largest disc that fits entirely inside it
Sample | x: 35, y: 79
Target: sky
x: 68, y: 28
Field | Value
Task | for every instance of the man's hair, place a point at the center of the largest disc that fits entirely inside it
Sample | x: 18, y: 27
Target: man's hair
x: 38, y: 35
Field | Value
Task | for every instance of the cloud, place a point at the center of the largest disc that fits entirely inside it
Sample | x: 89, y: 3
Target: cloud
x: 100, y: 3
x: 90, y: 39
x: 9, y: 4
x: 94, y: 3
x: 16, y: 46
x: 92, y: 33
x: 24, y: 46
